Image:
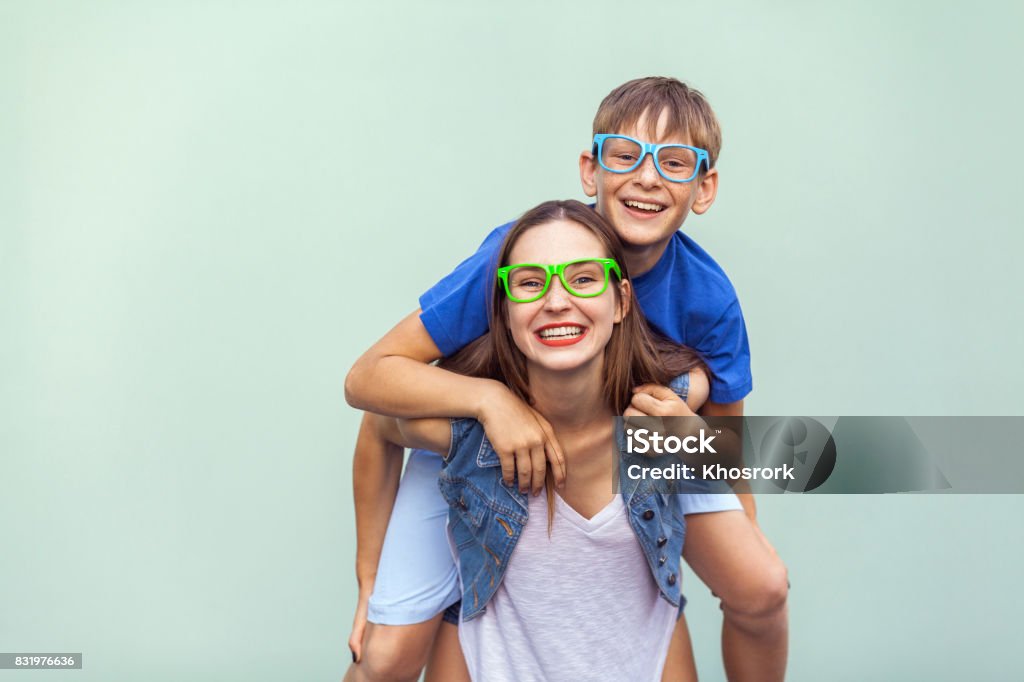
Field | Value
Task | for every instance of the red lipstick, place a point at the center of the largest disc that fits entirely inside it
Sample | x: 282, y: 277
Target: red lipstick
x: 566, y: 340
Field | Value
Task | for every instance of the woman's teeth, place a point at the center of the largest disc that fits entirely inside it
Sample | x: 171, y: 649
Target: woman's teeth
x: 560, y: 332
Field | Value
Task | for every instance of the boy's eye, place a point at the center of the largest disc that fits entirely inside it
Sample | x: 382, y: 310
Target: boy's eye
x: 677, y: 160
x: 620, y: 152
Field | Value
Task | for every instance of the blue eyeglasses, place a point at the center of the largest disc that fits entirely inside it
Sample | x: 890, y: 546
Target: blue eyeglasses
x: 674, y: 162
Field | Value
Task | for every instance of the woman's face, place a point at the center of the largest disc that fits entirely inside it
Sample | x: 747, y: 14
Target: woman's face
x: 559, y: 331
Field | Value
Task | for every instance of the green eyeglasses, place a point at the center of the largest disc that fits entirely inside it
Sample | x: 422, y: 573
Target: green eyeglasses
x: 586, y: 278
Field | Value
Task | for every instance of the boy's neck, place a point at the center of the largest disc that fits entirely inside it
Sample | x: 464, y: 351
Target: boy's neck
x: 642, y: 259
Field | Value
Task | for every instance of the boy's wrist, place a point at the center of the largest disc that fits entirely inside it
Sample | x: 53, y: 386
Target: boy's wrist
x: 486, y: 398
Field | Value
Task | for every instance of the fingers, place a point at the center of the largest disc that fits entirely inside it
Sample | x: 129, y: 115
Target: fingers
x: 355, y: 639
x: 539, y: 464
x: 355, y: 646
x: 524, y: 465
x: 659, y: 401
x: 508, y: 467
x: 656, y: 391
x: 648, y: 404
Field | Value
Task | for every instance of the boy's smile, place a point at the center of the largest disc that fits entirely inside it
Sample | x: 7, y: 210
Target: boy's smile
x: 643, y: 207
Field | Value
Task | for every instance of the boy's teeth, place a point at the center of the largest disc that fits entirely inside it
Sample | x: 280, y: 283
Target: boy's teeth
x: 552, y: 332
x: 641, y: 205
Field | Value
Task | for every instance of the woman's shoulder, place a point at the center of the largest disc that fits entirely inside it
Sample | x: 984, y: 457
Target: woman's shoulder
x: 700, y: 389
x: 693, y: 387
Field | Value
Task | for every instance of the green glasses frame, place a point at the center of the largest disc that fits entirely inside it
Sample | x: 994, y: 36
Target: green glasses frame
x: 609, y: 266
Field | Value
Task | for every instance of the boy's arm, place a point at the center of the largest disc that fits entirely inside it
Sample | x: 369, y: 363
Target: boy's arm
x: 735, y: 409
x: 394, y: 377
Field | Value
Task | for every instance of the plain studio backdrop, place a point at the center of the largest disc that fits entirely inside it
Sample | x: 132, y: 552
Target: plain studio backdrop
x: 209, y: 209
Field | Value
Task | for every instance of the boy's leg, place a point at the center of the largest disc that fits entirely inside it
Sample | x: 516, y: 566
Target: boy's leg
x: 731, y: 556
x: 394, y: 653
x: 679, y: 663
x: 447, y: 664
x: 416, y: 579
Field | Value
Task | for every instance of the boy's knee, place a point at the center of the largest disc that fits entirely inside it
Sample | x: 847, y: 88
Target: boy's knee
x: 764, y: 597
x: 394, y: 653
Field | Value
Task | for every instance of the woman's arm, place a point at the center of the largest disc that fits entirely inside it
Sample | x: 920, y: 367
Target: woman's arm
x: 376, y: 470
x: 427, y: 434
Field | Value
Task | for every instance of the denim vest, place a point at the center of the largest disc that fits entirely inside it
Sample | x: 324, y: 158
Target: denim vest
x: 486, y: 517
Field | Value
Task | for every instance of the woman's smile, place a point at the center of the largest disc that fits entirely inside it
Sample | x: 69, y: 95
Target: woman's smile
x: 561, y: 333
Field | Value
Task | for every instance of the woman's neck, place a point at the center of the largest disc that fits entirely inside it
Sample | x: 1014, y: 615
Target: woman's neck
x: 570, y: 400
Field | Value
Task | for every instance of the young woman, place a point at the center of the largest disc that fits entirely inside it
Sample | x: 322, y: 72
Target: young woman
x: 593, y: 592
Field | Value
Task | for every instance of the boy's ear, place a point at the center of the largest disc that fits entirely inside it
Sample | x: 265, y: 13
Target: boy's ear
x: 588, y: 167
x: 706, y: 192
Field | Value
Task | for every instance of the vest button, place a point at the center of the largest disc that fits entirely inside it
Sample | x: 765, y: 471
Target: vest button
x: 662, y: 540
x: 671, y: 578
x: 462, y: 503
x: 662, y: 560
x: 648, y: 515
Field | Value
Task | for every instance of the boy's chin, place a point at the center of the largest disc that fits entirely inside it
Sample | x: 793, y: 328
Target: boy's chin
x: 643, y: 236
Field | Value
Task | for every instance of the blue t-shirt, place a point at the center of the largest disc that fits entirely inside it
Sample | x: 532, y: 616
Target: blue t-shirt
x: 686, y: 296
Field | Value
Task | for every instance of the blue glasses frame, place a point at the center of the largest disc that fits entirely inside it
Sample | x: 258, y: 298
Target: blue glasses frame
x: 652, y: 149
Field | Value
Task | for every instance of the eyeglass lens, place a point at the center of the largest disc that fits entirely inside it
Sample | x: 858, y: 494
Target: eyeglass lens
x: 676, y: 162
x: 586, y: 278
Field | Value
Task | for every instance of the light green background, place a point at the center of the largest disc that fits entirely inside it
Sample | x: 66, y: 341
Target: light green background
x: 207, y: 210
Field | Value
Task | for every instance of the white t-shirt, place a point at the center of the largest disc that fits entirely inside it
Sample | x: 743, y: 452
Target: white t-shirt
x: 580, y: 605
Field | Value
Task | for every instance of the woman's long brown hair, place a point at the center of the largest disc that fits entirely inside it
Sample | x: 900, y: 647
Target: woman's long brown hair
x: 635, y: 354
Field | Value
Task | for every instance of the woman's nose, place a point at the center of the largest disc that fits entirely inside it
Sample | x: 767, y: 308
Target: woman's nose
x: 556, y: 298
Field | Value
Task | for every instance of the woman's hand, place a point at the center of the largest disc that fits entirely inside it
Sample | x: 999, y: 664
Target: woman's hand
x: 522, y: 438
x: 355, y: 640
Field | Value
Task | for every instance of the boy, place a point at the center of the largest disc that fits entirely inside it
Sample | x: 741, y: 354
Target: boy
x: 652, y: 163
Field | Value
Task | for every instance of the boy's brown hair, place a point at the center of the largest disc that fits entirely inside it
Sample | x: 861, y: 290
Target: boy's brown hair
x: 689, y: 113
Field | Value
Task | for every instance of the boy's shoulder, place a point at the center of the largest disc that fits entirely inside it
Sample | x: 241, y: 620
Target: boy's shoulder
x: 686, y: 266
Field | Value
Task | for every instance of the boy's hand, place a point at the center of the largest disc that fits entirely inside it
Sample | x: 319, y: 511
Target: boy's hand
x: 523, y: 440
x: 653, y: 400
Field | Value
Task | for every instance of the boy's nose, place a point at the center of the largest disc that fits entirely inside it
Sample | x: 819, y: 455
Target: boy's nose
x: 647, y: 173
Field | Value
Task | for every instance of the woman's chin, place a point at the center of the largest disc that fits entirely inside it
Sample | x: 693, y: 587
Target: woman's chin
x: 562, y: 361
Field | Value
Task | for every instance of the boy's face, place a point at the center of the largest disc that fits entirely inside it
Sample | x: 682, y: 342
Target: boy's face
x: 618, y: 194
